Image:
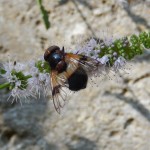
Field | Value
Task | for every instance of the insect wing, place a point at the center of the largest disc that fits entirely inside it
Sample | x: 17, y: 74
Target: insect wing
x: 90, y: 65
x: 58, y: 90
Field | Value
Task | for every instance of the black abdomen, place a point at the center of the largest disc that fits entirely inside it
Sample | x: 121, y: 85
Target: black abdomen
x: 78, y: 80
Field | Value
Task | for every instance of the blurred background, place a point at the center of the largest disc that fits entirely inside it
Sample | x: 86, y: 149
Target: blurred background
x: 113, y: 116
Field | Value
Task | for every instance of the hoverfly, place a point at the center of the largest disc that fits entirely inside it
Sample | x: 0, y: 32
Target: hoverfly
x: 67, y: 70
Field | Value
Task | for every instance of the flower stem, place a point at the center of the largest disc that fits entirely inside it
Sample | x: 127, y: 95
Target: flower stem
x: 44, y: 14
x: 28, y: 76
x: 4, y: 85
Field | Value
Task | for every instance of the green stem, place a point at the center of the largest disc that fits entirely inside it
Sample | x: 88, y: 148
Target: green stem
x: 5, y: 85
x: 28, y: 76
x: 44, y: 14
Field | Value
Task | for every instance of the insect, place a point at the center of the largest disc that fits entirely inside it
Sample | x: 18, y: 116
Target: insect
x: 67, y: 71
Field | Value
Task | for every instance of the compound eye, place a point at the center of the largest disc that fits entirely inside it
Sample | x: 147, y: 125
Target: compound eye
x: 53, y: 59
x: 49, y: 51
x: 56, y: 57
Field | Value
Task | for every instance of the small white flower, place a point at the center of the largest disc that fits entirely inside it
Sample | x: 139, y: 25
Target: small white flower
x: 39, y: 81
x: 103, y: 60
x: 119, y: 63
x: 92, y: 43
x: 9, y: 67
x: 17, y: 92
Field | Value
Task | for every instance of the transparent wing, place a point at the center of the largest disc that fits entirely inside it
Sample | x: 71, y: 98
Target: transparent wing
x: 59, y: 95
x: 90, y: 65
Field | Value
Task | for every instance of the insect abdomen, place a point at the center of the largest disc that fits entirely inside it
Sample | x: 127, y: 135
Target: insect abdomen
x: 78, y: 80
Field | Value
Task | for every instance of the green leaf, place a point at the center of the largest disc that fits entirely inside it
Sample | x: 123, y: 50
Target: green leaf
x: 5, y: 85
x: 22, y: 78
x: 40, y: 2
x: 44, y: 14
x: 2, y: 71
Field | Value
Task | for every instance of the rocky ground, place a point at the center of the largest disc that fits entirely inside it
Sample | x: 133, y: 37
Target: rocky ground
x: 115, y: 115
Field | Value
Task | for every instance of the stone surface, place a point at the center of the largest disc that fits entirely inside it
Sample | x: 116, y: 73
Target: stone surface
x: 115, y: 115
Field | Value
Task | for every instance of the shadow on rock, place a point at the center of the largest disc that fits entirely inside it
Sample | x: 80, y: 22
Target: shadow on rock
x: 143, y: 58
x: 81, y: 143
x: 136, y: 18
x: 21, y: 127
x: 134, y: 103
